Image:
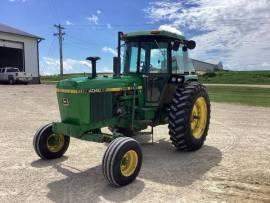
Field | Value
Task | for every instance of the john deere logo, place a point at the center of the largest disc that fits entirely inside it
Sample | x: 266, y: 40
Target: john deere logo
x: 65, y: 102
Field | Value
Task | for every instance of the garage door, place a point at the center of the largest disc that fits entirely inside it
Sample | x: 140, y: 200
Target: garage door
x: 11, y: 54
x: 15, y: 45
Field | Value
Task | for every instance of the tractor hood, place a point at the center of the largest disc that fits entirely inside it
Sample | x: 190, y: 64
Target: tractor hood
x: 100, y: 83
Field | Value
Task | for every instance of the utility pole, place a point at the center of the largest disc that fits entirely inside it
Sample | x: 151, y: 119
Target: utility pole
x: 60, y: 35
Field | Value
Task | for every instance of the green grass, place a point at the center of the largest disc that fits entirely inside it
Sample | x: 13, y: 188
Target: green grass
x: 240, y: 95
x: 237, y: 77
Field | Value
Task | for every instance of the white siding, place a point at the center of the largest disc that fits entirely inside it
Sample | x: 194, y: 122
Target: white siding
x: 30, y: 51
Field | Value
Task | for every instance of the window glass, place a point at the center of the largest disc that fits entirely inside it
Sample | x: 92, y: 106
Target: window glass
x: 152, y: 59
x: 181, y: 63
x: 10, y: 70
x: 177, y: 61
x: 158, y: 59
x: 142, y: 61
x: 133, y: 59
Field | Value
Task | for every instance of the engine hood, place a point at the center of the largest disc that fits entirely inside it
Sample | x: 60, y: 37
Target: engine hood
x: 99, y: 83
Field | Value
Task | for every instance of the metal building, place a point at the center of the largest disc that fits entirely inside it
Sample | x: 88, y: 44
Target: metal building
x: 19, y: 49
x: 204, y: 67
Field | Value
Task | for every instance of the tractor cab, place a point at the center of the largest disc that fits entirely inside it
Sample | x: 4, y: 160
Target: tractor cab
x: 158, y: 56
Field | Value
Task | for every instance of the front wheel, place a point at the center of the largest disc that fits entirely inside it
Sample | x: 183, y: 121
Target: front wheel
x: 49, y: 145
x: 11, y: 81
x: 122, y: 161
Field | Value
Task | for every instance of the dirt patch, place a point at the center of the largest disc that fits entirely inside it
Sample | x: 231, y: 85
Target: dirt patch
x: 232, y: 166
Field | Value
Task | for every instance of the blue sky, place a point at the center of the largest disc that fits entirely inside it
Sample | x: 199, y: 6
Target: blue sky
x: 225, y: 30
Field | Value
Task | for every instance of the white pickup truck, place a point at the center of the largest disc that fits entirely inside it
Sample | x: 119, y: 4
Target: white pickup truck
x: 13, y: 75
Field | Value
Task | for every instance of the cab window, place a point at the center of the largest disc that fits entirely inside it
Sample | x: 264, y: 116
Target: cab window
x: 146, y: 57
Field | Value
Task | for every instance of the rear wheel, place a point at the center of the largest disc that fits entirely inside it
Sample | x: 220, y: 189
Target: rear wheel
x: 189, y: 117
x: 122, y: 161
x: 49, y: 145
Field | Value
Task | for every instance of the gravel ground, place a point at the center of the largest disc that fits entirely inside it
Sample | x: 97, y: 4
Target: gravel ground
x: 233, y: 165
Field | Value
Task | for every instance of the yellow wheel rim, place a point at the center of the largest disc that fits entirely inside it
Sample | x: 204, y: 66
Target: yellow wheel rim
x: 55, y: 142
x: 199, y: 117
x: 129, y: 163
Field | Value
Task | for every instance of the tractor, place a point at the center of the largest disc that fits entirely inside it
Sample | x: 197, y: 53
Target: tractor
x: 153, y: 83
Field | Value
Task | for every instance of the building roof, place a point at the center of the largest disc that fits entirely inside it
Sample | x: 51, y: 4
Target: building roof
x: 11, y: 30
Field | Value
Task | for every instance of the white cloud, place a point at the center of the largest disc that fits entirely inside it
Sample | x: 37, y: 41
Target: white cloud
x: 68, y: 22
x: 235, y: 32
x: 50, y: 66
x: 109, y: 50
x: 98, y: 12
x: 170, y: 28
x: 93, y: 19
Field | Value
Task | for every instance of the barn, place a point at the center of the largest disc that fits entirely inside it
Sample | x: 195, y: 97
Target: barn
x: 21, y: 50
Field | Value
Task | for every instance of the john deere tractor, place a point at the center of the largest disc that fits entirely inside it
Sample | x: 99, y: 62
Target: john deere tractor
x: 153, y: 83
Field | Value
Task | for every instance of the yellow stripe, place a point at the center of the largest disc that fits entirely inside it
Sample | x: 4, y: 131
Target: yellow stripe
x: 90, y: 91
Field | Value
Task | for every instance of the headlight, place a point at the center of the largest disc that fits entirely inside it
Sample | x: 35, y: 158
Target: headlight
x: 179, y: 79
x: 173, y: 79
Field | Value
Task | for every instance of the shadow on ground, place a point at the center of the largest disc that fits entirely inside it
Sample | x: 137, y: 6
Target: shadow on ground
x: 162, y: 164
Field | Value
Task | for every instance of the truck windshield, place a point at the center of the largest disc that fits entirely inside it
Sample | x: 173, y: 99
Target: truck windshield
x: 12, y: 70
x: 146, y: 57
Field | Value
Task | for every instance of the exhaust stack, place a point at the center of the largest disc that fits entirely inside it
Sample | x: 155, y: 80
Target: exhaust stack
x: 93, y: 60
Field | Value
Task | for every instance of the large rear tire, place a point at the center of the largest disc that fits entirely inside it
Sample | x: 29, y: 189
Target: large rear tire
x: 189, y: 117
x: 122, y: 161
x: 49, y: 145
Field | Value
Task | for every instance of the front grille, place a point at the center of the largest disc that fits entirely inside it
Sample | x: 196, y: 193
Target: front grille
x: 100, y: 107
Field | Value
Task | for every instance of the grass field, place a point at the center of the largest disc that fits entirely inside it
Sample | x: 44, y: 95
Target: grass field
x: 237, y: 77
x: 241, y: 95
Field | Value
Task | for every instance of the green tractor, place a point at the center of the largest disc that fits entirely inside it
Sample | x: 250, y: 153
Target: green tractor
x: 153, y: 83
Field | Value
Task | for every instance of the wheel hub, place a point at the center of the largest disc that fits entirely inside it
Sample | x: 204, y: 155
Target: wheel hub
x: 55, y: 142
x: 129, y: 163
x: 199, y: 117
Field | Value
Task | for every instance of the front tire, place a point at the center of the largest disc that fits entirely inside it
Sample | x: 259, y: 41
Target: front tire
x: 122, y: 161
x: 49, y: 145
x: 189, y: 117
x: 11, y: 81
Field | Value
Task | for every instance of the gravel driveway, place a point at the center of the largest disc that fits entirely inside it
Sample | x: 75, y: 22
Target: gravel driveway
x: 233, y: 165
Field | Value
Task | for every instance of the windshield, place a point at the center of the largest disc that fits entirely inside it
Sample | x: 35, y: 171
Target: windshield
x: 153, y: 57
x: 146, y: 57
x: 11, y: 70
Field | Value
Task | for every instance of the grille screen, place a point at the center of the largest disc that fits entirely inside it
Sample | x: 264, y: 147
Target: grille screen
x: 100, y: 106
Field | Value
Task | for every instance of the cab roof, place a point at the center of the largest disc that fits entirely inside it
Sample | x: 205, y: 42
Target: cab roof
x: 152, y: 33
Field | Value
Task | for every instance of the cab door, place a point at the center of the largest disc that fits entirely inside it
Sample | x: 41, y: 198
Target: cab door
x: 157, y: 75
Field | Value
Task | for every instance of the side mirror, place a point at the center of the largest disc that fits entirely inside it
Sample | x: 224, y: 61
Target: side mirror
x: 190, y: 44
x: 176, y: 45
